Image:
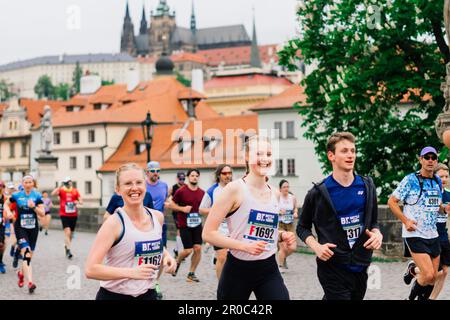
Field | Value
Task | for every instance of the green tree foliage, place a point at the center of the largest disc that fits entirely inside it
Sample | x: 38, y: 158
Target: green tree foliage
x: 369, y: 54
x: 44, y: 88
x: 5, y: 91
x: 76, y: 78
x: 62, y: 91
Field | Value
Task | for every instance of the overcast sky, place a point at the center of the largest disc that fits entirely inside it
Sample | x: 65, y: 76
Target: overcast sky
x: 32, y: 28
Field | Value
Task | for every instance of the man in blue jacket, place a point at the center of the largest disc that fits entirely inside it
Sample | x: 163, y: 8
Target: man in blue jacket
x: 343, y: 209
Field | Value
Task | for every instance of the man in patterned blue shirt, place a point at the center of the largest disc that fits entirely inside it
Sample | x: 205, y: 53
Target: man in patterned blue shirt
x: 421, y: 195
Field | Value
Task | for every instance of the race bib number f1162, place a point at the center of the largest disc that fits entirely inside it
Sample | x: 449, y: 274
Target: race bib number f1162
x: 148, y: 252
x: 262, y: 226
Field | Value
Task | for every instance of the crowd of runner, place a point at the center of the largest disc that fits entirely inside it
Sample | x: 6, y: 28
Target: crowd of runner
x: 249, y: 223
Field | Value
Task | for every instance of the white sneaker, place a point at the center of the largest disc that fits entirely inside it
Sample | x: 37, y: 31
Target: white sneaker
x: 282, y: 269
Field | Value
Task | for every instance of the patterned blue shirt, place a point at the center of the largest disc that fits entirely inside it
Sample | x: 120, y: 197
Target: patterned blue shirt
x: 425, y: 209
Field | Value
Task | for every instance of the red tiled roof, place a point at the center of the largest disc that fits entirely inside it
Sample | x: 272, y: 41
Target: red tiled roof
x: 284, y: 100
x: 35, y: 109
x: 238, y: 55
x: 246, y: 80
x: 187, y: 56
x: 163, y: 147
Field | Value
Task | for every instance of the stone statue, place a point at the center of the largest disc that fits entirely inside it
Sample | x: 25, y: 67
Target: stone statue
x: 46, y: 131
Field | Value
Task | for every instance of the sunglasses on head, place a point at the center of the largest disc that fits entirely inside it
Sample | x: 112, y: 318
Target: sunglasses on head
x: 430, y: 157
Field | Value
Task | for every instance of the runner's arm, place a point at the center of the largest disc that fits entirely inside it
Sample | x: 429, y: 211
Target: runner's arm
x: 55, y: 192
x: 40, y: 210
x: 396, y: 210
x: 295, y: 208
x: 205, y: 205
x: 226, y: 201
x: 109, y: 232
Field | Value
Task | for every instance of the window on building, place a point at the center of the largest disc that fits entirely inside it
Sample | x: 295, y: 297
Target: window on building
x: 279, y: 167
x: 290, y: 133
x: 10, y: 125
x: 91, y: 136
x: 88, y: 187
x: 291, y: 167
x: 24, y: 149
x: 97, y: 106
x: 76, y: 137
x: 88, y: 162
x: 73, y: 162
x: 278, y: 127
x: 57, y: 138
x: 12, y: 150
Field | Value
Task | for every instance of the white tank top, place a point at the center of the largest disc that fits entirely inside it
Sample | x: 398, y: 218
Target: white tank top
x: 288, y: 205
x: 255, y: 221
x: 134, y: 248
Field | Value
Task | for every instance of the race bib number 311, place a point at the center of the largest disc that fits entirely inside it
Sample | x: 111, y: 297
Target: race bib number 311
x: 148, y: 252
x: 262, y: 226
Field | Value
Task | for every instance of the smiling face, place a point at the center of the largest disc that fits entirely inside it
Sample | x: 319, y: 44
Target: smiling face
x: 28, y: 184
x: 260, y: 156
x: 344, y: 156
x: 285, y: 188
x: 443, y: 174
x: 131, y: 186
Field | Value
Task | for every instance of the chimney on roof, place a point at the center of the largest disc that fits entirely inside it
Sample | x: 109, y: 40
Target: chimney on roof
x: 90, y: 84
x: 197, y: 80
x: 132, y: 79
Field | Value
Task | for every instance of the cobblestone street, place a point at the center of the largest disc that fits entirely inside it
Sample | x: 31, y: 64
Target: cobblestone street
x: 60, y: 279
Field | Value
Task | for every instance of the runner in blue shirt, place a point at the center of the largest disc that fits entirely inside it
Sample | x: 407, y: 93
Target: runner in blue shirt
x: 30, y: 206
x: 421, y: 194
x: 159, y: 191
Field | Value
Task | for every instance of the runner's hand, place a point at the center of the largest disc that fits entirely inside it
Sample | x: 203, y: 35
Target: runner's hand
x: 289, y: 240
x: 144, y: 272
x: 31, y: 204
x: 323, y: 251
x: 282, y: 211
x: 411, y: 225
x: 256, y: 248
x: 447, y: 208
x: 187, y: 209
x: 170, y: 264
x: 375, y: 240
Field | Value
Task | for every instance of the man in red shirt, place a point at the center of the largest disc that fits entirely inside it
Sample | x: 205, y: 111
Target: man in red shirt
x: 69, y: 199
x: 187, y: 201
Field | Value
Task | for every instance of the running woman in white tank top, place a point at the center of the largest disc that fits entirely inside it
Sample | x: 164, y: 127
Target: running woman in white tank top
x: 250, y: 207
x: 130, y: 243
x: 288, y: 213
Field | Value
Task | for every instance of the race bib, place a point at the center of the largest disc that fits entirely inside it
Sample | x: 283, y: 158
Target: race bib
x: 442, y: 217
x: 288, y: 217
x: 28, y: 221
x: 148, y: 252
x: 352, y: 227
x: 432, y: 199
x: 193, y: 220
x: 261, y: 226
x: 71, y: 207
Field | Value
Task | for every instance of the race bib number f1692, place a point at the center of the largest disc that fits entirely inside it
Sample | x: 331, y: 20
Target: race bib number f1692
x: 148, y: 252
x: 262, y: 226
x: 193, y: 220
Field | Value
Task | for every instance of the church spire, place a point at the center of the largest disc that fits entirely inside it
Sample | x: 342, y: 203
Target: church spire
x: 144, y: 25
x: 255, y: 59
x: 127, y: 42
x: 127, y: 13
x: 193, y: 19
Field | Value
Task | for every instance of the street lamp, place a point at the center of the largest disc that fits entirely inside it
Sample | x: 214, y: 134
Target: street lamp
x: 148, y: 131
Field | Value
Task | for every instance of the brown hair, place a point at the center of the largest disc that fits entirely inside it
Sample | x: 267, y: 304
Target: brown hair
x: 338, y: 137
x: 127, y: 167
x: 441, y: 166
x: 219, y: 171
